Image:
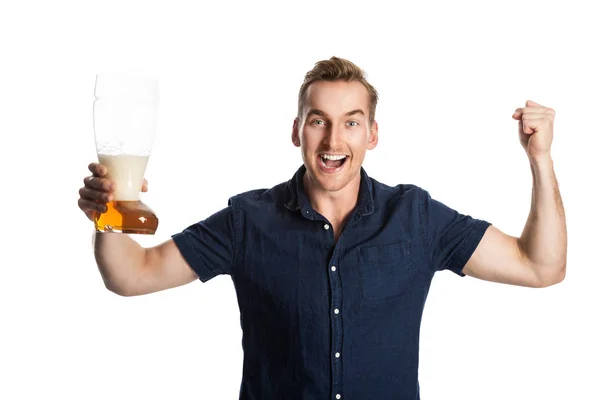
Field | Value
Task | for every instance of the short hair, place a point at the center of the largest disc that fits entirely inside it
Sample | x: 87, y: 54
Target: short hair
x: 336, y: 69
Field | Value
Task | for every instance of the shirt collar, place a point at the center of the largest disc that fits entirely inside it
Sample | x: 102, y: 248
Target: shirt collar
x: 298, y: 200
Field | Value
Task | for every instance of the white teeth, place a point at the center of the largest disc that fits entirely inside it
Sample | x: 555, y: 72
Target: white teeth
x: 332, y: 157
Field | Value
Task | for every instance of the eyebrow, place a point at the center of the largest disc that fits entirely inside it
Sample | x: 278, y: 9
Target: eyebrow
x: 315, y: 111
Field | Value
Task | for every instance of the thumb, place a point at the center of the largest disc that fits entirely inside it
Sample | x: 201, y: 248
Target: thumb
x: 144, y: 185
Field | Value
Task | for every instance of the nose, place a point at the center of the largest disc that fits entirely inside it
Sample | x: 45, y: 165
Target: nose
x: 334, y: 137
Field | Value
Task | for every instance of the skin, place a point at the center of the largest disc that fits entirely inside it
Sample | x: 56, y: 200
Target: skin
x: 127, y: 268
x: 538, y: 258
x: 335, y: 120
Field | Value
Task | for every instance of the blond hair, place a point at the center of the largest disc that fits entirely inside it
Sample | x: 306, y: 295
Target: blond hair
x: 337, y: 69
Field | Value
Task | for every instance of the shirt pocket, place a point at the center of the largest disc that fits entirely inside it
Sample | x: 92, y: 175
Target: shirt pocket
x: 386, y: 271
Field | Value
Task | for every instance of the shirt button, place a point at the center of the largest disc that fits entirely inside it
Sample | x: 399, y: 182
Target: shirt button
x: 326, y: 226
x: 338, y: 396
x: 337, y: 355
x: 333, y: 267
x: 336, y: 311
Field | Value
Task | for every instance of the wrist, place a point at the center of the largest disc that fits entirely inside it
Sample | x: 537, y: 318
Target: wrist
x: 540, y: 162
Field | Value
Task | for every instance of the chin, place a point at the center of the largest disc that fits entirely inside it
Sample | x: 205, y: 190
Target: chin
x: 330, y: 182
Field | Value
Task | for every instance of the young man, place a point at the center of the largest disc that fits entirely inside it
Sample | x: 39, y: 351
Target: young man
x: 332, y: 268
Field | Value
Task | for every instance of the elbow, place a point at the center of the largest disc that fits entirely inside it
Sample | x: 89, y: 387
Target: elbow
x: 550, y: 279
x: 119, y: 289
x: 126, y: 284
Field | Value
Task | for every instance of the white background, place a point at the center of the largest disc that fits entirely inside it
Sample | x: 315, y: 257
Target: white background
x: 449, y: 74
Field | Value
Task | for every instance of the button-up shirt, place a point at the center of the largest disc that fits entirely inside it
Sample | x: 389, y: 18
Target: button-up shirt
x: 323, y: 319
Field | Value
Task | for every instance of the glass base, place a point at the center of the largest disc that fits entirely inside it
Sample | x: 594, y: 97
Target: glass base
x: 127, y: 217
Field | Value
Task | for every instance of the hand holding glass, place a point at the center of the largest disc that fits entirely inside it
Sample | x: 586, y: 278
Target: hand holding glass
x: 125, y: 127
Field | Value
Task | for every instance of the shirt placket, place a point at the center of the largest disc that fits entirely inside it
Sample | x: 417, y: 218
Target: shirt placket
x: 336, y: 301
x: 336, y: 310
x: 336, y: 321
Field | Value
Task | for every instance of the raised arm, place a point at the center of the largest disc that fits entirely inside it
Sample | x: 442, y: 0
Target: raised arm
x: 539, y: 257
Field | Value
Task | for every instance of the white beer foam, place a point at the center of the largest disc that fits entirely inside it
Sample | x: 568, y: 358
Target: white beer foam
x: 127, y: 171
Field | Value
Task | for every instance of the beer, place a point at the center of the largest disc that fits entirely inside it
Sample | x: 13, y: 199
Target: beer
x: 126, y: 213
x: 127, y: 217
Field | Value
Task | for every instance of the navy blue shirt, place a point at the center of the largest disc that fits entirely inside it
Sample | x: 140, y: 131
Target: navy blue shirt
x: 326, y: 320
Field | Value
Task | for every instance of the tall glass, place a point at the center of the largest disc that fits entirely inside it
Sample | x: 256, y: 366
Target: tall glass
x: 125, y: 109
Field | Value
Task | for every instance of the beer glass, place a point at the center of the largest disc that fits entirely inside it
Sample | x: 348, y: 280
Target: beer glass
x: 124, y: 112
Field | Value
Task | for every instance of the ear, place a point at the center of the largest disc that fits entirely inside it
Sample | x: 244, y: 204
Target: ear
x: 373, y: 136
x: 295, y: 133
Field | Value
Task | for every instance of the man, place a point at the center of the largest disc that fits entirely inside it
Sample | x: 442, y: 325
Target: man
x: 332, y: 268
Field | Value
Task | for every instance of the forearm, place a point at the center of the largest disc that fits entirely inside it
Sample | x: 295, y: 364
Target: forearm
x: 544, y: 238
x: 120, y: 260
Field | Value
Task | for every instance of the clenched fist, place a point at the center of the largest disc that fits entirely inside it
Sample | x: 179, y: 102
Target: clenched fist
x: 536, y: 129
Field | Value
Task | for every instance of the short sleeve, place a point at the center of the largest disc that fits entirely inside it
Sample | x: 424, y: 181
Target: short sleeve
x: 450, y: 237
x: 208, y: 246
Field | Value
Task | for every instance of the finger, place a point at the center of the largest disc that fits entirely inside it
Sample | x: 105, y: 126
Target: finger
x: 529, y: 126
x: 537, y: 116
x: 99, y: 183
x: 535, y: 110
x: 97, y: 169
x: 527, y: 110
x: 91, y: 206
x: 544, y: 110
x: 523, y: 127
x: 144, y: 185
x: 94, y: 195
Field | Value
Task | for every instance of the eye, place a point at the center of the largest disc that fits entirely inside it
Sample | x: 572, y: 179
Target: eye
x: 353, y: 123
x: 318, y: 122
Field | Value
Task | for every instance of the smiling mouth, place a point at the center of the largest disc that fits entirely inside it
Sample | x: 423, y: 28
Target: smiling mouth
x: 331, y: 161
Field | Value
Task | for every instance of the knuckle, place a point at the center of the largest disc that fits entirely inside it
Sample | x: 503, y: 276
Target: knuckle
x: 94, y: 182
x: 97, y: 171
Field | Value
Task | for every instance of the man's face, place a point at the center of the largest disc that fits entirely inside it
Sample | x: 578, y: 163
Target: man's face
x: 334, y: 132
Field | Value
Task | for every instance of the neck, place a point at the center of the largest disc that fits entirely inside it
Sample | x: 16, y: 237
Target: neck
x: 336, y: 206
